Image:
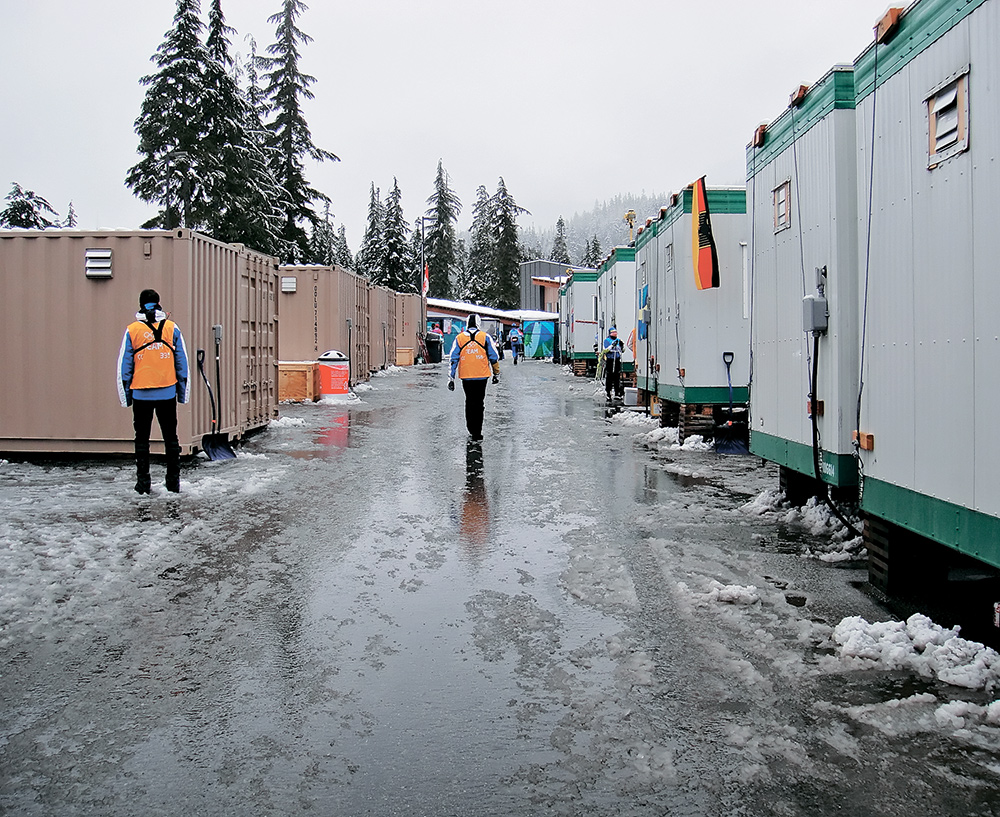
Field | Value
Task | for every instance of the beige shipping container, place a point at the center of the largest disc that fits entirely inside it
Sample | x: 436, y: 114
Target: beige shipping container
x: 382, y: 327
x: 65, y: 300
x: 324, y: 308
x: 409, y: 308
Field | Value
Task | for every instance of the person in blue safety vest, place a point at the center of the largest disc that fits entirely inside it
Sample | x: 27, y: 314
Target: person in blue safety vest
x: 516, y: 342
x: 153, y: 378
x: 474, y: 357
x: 613, y: 349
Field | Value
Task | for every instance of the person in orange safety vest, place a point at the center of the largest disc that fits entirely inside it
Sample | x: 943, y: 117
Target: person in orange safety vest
x: 153, y: 379
x: 474, y: 358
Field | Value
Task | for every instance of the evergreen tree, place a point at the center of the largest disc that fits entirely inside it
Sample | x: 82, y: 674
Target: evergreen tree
x: 560, y: 252
x: 418, y: 254
x: 396, y: 272
x: 444, y: 208
x: 321, y: 241
x: 26, y: 210
x: 289, y: 133
x: 242, y: 187
x: 505, y: 289
x: 172, y: 125
x: 477, y: 275
x: 592, y: 253
x: 71, y: 219
x: 341, y: 252
x: 370, y: 260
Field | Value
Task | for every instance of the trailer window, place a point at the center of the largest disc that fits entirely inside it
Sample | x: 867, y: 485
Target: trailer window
x: 782, y: 210
x: 948, y: 119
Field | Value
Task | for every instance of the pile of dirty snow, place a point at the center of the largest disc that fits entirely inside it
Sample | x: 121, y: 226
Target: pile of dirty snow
x: 919, y: 645
x: 817, y: 518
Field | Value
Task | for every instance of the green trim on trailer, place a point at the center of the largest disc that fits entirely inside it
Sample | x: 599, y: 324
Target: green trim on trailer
x: 721, y: 201
x: 618, y: 254
x: 834, y: 91
x: 645, y: 383
x: 647, y: 234
x: 963, y: 529
x: 628, y: 368
x: 584, y: 276
x: 920, y: 26
x: 703, y: 395
x: 839, y: 470
x: 583, y: 356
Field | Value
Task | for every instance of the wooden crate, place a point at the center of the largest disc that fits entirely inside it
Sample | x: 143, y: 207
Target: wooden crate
x: 298, y: 381
x: 404, y: 356
x: 580, y: 368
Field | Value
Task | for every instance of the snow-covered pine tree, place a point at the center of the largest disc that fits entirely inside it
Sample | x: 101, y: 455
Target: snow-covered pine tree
x: 321, y: 240
x: 443, y: 210
x: 397, y: 247
x: 70, y: 220
x: 560, y: 252
x: 418, y: 254
x: 26, y: 210
x: 505, y: 291
x: 477, y: 274
x: 172, y: 125
x: 289, y: 132
x: 341, y: 252
x: 370, y: 260
x: 240, y: 181
x: 592, y: 253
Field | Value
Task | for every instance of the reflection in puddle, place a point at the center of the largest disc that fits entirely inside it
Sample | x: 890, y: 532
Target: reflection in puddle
x: 474, y: 517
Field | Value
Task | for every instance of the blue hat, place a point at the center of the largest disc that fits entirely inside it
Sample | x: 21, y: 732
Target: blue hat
x: 612, y: 329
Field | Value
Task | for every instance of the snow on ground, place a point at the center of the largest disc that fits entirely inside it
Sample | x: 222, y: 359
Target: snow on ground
x: 921, y: 646
x: 835, y: 541
x: 389, y: 370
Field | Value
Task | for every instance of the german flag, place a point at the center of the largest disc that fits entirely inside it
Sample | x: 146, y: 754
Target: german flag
x: 706, y: 259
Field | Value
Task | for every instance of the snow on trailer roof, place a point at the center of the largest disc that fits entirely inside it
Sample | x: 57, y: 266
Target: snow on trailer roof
x: 488, y: 312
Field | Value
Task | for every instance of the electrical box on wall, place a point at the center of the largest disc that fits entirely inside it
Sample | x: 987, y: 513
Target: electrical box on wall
x: 815, y: 316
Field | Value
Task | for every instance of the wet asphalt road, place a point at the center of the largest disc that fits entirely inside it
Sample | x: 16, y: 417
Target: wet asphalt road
x: 367, y: 615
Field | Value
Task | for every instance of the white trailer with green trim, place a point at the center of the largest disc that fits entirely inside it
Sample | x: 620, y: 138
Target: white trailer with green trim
x: 582, y: 305
x: 802, y: 190
x: 616, y: 300
x: 691, y: 329
x: 930, y: 162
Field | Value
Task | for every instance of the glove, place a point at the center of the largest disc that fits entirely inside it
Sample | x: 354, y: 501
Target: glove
x: 496, y: 379
x: 451, y: 384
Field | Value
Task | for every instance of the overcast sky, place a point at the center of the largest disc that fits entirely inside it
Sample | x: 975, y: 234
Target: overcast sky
x: 571, y: 101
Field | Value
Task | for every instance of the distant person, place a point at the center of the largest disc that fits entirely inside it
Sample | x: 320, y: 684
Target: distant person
x: 613, y: 349
x: 153, y: 379
x: 516, y: 342
x: 474, y: 356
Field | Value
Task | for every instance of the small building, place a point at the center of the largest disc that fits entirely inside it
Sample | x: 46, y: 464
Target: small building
x: 540, y: 282
x: 583, y: 330
x: 616, y: 298
x: 66, y: 297
x: 691, y: 332
x: 928, y: 282
x: 801, y: 182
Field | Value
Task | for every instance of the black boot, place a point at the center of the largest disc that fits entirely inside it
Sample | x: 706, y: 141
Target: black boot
x: 142, y: 485
x: 173, y: 481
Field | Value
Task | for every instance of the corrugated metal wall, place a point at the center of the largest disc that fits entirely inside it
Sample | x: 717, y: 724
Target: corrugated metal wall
x: 693, y: 328
x: 812, y: 149
x: 932, y: 329
x: 67, y: 328
x: 382, y: 327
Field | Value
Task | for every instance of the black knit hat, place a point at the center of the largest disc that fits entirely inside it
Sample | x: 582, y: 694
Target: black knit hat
x: 148, y: 296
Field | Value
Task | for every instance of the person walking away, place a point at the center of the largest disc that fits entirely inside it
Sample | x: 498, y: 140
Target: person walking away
x: 474, y: 357
x: 153, y: 379
x: 613, y: 348
x: 516, y: 338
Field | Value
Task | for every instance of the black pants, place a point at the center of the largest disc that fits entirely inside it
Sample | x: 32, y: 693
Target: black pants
x: 612, y: 376
x: 475, y: 399
x: 142, y: 422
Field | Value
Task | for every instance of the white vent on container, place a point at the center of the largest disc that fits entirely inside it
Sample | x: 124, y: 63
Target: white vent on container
x: 97, y: 262
x: 288, y: 284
